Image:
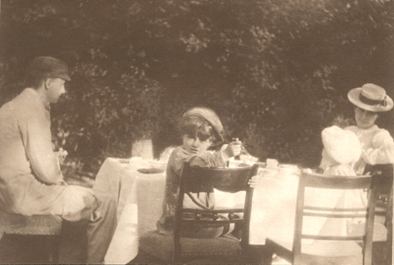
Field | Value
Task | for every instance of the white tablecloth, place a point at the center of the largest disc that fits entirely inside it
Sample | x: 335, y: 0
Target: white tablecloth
x: 273, y: 207
x: 139, y: 204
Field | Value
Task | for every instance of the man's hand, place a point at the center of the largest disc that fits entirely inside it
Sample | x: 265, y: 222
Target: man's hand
x: 233, y: 148
x: 61, y: 155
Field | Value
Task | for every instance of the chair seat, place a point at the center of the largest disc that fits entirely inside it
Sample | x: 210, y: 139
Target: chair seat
x: 323, y: 252
x: 162, y: 246
x: 30, y: 225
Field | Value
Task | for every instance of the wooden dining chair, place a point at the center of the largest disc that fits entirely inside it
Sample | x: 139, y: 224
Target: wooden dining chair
x: 328, y: 248
x: 177, y: 248
x: 202, y: 179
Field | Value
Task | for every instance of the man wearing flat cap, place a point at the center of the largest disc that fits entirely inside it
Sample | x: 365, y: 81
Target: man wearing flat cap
x: 31, y: 182
x: 29, y: 169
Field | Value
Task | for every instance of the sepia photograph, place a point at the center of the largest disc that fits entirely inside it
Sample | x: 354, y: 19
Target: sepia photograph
x: 251, y: 132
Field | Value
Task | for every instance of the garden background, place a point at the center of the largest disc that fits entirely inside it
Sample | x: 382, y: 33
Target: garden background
x: 277, y: 72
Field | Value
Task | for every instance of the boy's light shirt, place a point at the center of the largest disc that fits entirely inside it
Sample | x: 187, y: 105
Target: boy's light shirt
x: 177, y: 159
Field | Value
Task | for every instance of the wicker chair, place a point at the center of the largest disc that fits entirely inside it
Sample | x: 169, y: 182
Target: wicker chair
x: 47, y: 226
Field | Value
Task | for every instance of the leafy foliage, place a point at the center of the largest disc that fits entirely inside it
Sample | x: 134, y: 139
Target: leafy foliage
x: 277, y: 72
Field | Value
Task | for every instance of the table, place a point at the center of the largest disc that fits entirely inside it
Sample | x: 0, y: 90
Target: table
x: 140, y: 199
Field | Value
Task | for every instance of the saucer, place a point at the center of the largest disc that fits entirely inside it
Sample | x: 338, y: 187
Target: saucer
x: 152, y: 170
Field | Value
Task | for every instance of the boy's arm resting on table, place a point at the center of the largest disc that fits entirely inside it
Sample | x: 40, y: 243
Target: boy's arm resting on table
x: 37, y: 140
x: 217, y: 158
x: 208, y: 159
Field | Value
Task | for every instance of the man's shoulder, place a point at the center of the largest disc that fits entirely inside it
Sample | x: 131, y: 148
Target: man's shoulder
x: 8, y: 109
x: 28, y: 102
x: 22, y: 107
x: 27, y: 94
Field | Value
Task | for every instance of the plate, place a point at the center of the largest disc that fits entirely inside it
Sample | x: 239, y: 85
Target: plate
x: 151, y: 170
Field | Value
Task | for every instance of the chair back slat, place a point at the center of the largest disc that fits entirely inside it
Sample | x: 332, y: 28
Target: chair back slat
x: 335, y: 182
x: 232, y: 210
x: 340, y: 238
x: 329, y: 209
x: 204, y: 179
x: 210, y: 222
x: 335, y: 215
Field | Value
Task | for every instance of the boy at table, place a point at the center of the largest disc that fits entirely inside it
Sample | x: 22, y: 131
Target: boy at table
x: 200, y: 129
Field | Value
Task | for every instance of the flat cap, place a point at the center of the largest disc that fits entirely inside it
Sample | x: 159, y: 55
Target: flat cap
x: 48, y: 67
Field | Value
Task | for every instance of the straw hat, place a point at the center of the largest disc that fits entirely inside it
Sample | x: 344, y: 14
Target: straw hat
x: 341, y: 145
x: 370, y: 97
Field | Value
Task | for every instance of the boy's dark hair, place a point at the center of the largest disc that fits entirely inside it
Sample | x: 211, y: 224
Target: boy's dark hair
x: 195, y: 126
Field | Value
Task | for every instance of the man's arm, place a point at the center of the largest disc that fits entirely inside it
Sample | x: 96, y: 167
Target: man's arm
x: 36, y: 136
